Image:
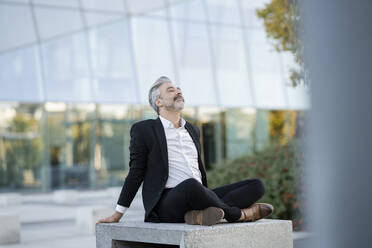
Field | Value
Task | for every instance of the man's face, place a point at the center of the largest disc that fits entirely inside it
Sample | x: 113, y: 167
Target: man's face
x: 171, y: 97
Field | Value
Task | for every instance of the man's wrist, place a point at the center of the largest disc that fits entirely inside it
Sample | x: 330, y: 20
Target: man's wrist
x: 117, y: 215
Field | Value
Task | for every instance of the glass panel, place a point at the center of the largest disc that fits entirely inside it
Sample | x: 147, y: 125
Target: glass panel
x: 66, y: 69
x: 71, y: 151
x: 157, y: 12
x: 20, y: 146
x: 112, y: 64
x: 20, y: 76
x: 222, y: 11
x: 21, y: 30
x: 89, y: 144
x: 194, y: 63
x: 16, y: 1
x: 240, y: 128
x: 56, y: 3
x: 211, y: 135
x: 266, y: 71
x: 188, y: 10
x: 152, y: 52
x: 95, y: 19
x: 57, y: 140
x: 249, y: 12
x: 113, y: 141
x: 148, y: 113
x: 55, y: 22
x: 299, y: 96
x: 147, y: 7
x: 231, y: 66
x: 112, y: 5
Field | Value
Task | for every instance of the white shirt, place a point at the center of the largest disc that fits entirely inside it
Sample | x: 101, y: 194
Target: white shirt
x: 182, y: 156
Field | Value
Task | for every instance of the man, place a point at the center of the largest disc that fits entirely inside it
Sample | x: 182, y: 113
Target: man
x: 165, y: 156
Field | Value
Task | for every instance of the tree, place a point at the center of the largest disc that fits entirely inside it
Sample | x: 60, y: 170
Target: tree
x: 22, y: 147
x: 283, y: 23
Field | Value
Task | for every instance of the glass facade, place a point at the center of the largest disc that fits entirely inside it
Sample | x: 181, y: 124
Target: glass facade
x: 77, y: 77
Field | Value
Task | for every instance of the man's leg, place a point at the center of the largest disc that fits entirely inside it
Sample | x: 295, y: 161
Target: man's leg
x: 241, y: 194
x: 191, y: 195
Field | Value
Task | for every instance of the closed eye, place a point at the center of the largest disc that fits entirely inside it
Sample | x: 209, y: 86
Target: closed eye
x: 170, y: 89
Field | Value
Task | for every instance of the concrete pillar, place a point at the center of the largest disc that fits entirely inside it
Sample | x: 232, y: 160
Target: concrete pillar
x: 338, y: 44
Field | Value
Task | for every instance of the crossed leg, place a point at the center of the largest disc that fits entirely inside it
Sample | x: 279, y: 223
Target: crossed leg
x: 192, y: 195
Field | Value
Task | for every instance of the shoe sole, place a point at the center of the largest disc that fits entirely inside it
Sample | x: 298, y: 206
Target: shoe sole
x: 209, y: 216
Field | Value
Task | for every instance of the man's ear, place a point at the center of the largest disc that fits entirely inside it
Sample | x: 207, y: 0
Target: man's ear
x: 158, y: 103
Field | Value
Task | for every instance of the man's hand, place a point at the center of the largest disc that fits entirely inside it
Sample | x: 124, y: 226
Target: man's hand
x: 113, y: 218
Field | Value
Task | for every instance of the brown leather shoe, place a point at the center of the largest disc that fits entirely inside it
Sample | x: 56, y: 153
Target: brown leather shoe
x: 206, y: 217
x: 256, y: 211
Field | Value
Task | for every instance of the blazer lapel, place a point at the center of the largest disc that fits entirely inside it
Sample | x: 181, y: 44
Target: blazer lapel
x: 159, y: 131
x: 193, y: 136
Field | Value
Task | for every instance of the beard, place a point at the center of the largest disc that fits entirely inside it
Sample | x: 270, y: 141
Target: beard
x: 176, y: 105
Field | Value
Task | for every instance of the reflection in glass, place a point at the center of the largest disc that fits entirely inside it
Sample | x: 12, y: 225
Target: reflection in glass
x: 240, y: 131
x: 231, y: 67
x: 249, y: 8
x: 57, y: 22
x: 66, y: 69
x: 222, y: 11
x: 20, y: 146
x: 112, y: 67
x: 152, y: 51
x: 266, y: 71
x: 20, y: 76
x: 194, y: 63
x: 20, y: 18
x: 114, y: 123
x: 188, y: 10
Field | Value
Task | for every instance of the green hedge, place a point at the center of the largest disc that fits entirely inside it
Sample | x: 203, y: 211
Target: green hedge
x: 279, y: 167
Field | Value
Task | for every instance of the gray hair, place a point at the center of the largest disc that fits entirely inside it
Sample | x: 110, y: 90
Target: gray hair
x: 154, y: 92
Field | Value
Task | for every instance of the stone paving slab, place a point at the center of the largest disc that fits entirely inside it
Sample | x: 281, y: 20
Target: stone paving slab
x: 45, y: 224
x: 37, y: 208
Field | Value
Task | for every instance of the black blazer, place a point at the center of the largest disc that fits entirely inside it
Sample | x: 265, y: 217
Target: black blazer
x: 149, y: 164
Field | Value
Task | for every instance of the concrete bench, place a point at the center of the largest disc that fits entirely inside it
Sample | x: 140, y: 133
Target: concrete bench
x: 10, y: 229
x: 259, y: 234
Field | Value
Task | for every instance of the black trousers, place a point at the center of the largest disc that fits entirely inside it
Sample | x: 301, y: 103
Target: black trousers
x: 192, y: 195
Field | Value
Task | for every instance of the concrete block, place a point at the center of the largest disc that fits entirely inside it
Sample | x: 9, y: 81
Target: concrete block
x: 86, y: 217
x: 10, y: 229
x: 65, y: 196
x: 259, y: 234
x: 10, y: 199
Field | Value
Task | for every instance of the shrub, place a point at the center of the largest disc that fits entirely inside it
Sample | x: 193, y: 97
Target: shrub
x: 280, y: 168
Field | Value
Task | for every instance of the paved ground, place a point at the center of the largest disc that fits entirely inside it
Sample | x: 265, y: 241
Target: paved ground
x: 45, y: 223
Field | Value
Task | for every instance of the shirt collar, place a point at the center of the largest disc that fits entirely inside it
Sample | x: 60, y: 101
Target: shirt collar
x: 168, y: 124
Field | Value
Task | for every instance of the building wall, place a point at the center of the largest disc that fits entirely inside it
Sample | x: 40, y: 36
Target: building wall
x: 52, y: 146
x: 74, y: 76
